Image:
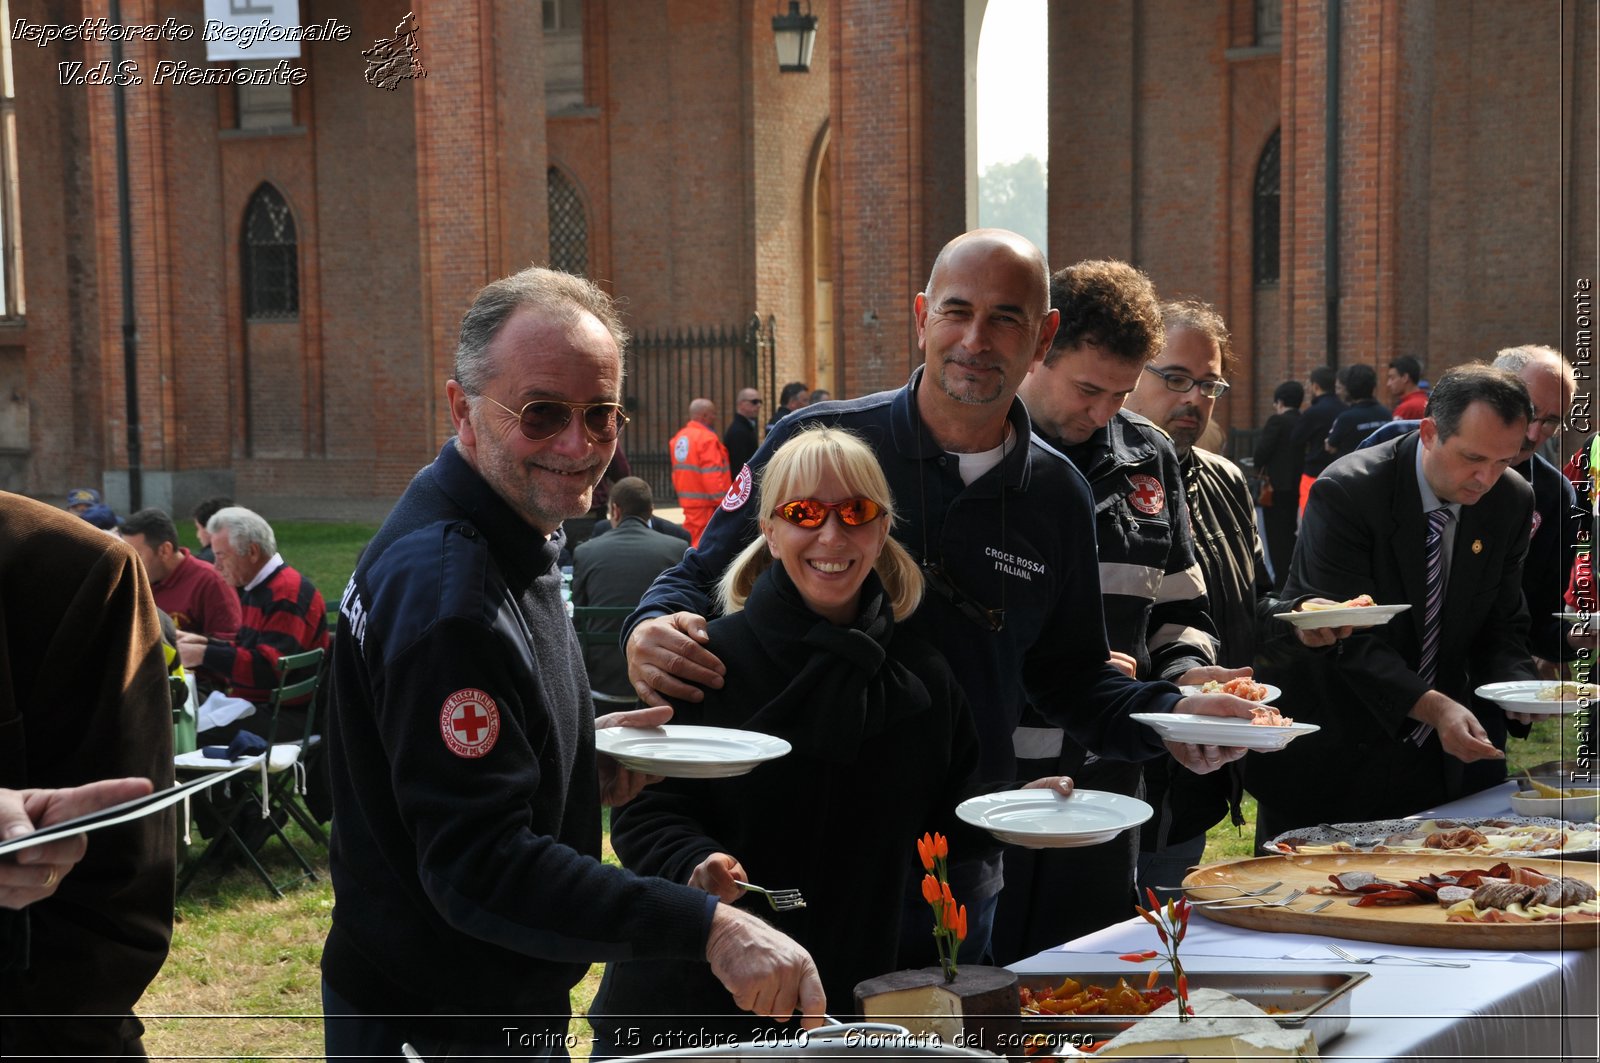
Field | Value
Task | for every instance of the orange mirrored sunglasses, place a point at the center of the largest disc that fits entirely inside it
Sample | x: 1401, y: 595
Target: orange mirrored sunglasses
x: 811, y: 512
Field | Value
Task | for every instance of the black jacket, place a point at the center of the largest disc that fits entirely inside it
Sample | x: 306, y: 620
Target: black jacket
x: 1364, y: 533
x: 884, y: 749
x: 616, y: 570
x: 1278, y: 457
x: 1358, y: 420
x: 741, y: 441
x: 1312, y: 432
x: 466, y: 827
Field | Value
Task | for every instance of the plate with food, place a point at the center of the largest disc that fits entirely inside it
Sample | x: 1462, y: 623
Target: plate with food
x: 1243, y: 687
x: 1520, y: 836
x: 1540, y: 697
x: 1268, y: 730
x: 1043, y: 819
x: 685, y: 751
x: 1438, y: 900
x: 1360, y: 611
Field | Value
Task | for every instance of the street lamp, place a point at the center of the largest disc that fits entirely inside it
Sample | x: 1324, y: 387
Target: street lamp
x: 795, y: 35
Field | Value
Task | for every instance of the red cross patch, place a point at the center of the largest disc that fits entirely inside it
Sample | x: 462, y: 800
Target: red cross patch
x: 739, y: 493
x: 1146, y: 496
x: 1538, y: 519
x: 469, y: 722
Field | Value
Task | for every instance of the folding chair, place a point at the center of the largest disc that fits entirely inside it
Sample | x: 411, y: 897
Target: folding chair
x: 259, y: 793
x: 599, y: 625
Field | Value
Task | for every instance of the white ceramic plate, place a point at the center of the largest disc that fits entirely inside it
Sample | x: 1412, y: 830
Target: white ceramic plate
x: 683, y: 751
x: 1273, y: 693
x: 1221, y: 730
x: 1522, y: 695
x: 1043, y: 819
x: 1355, y: 616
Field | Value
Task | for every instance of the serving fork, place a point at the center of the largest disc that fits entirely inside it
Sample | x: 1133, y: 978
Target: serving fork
x: 1243, y: 893
x: 780, y: 900
x: 1347, y: 958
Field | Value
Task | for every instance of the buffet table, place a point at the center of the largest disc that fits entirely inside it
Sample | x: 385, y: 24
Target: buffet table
x: 1524, y: 1006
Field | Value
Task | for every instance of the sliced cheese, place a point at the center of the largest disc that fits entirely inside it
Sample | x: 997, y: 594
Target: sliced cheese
x: 1224, y: 1027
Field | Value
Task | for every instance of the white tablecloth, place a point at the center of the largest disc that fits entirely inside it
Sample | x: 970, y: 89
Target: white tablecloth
x: 1514, y: 1006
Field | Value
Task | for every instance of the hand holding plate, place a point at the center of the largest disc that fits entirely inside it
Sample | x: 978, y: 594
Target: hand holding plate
x: 1212, y: 673
x: 619, y: 785
x: 1318, y: 637
x: 1061, y: 784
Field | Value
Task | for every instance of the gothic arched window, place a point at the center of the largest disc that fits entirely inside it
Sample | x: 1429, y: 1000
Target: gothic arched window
x: 271, y: 257
x: 1264, y: 230
x: 569, y: 228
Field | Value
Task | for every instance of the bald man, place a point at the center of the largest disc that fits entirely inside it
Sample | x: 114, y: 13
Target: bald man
x: 700, y: 471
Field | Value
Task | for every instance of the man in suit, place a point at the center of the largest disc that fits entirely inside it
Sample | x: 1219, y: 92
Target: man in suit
x: 742, y: 437
x: 616, y: 570
x: 1392, y: 701
x: 654, y: 523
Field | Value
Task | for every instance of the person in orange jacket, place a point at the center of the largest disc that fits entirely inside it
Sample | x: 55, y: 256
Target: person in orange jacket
x: 700, y: 472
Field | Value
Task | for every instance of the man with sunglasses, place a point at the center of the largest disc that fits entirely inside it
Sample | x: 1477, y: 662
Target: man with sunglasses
x: 744, y: 431
x: 467, y: 788
x: 1002, y: 524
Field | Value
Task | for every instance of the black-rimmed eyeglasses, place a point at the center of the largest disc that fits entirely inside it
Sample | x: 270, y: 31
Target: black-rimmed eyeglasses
x: 1183, y: 382
x: 544, y: 418
x: 938, y: 580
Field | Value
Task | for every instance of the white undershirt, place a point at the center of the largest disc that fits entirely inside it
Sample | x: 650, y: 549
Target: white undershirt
x: 972, y: 466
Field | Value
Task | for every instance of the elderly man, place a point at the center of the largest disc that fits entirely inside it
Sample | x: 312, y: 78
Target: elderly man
x: 744, y: 431
x: 280, y: 612
x: 794, y: 396
x: 1428, y: 519
x: 1151, y: 587
x: 999, y: 521
x: 700, y: 473
x: 1179, y: 390
x: 83, y: 696
x: 193, y: 593
x: 467, y: 789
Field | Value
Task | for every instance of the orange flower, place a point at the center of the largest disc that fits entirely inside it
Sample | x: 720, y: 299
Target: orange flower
x: 925, y: 850
x: 941, y: 847
x: 930, y: 889
x: 961, y: 924
x: 1155, y: 974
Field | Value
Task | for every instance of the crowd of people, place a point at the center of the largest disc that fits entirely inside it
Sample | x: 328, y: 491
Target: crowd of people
x: 966, y: 584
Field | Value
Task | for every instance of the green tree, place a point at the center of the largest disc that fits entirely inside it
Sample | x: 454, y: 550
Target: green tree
x: 1011, y: 195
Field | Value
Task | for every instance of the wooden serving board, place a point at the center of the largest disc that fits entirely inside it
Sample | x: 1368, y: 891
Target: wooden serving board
x: 1416, y: 924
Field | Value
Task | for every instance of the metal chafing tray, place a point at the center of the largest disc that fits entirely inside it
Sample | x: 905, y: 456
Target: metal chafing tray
x: 1308, y: 1000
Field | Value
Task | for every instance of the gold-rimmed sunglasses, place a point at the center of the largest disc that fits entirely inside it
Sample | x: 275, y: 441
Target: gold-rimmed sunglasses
x: 545, y: 418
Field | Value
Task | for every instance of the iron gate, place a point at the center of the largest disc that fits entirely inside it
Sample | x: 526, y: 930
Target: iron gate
x: 666, y: 369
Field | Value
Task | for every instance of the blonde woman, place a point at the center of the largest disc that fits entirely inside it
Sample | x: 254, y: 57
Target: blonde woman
x: 884, y: 749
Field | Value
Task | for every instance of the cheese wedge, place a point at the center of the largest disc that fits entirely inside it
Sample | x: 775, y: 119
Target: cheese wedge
x: 982, y: 1000
x: 1223, y: 1028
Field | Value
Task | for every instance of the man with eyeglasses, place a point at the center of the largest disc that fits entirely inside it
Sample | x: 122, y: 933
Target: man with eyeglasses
x: 1001, y: 523
x: 1179, y: 390
x: 467, y: 789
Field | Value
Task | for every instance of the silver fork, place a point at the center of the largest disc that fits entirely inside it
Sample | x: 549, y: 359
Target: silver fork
x: 1347, y: 958
x: 780, y: 900
x: 1243, y: 893
x: 1296, y: 895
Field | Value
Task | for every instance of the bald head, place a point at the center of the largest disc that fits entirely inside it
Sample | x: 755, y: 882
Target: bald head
x: 704, y: 411
x: 994, y: 245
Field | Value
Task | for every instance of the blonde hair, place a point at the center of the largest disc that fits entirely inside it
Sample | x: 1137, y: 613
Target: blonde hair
x: 798, y: 467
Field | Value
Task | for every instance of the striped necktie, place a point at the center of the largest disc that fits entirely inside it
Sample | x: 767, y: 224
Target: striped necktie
x: 1433, y: 555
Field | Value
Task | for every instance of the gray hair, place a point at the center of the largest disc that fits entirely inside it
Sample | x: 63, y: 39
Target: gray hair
x: 551, y: 292
x: 1517, y: 359
x: 245, y: 528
